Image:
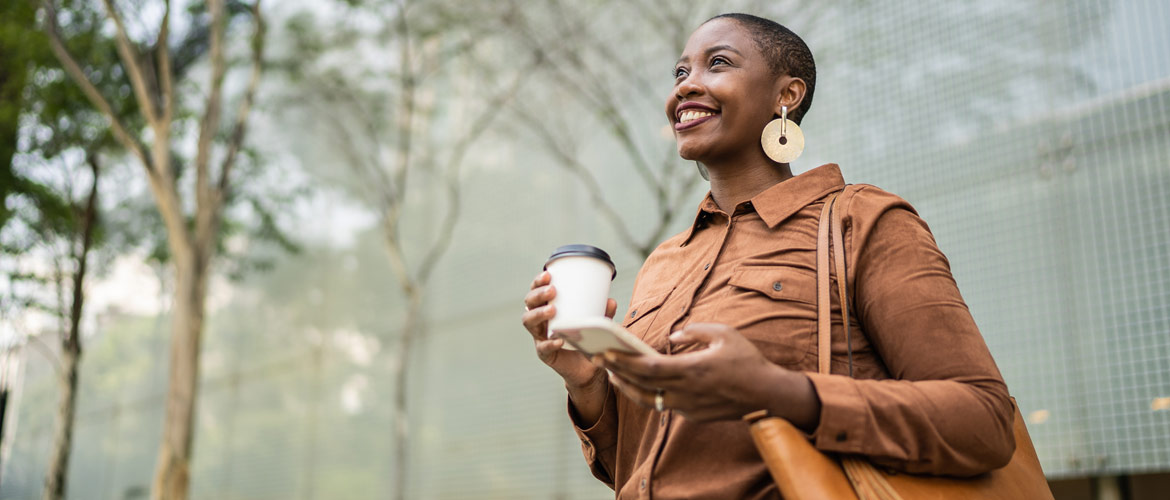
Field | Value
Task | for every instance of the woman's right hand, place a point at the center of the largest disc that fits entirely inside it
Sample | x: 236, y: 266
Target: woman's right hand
x: 573, y: 366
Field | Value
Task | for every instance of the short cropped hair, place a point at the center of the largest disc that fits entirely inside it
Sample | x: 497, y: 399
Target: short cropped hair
x: 785, y: 51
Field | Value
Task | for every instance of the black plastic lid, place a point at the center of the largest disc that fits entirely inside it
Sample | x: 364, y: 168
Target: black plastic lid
x: 581, y: 251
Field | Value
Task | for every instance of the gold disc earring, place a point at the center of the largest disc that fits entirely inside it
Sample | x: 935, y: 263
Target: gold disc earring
x: 782, y: 139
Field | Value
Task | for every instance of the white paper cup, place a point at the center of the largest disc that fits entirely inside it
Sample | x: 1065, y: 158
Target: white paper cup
x: 582, y: 275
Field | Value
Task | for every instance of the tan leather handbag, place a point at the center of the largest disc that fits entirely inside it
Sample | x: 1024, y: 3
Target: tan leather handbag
x: 804, y: 473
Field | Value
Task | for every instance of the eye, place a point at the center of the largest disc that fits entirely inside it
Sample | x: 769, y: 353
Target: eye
x: 719, y: 60
x: 679, y: 72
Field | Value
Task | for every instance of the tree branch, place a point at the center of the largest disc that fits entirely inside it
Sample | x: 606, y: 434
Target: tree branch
x: 241, y: 125
x: 72, y: 342
x: 600, y: 103
x: 459, y: 152
x: 382, y: 193
x: 166, y: 76
x: 91, y: 92
x: 406, y: 108
x: 129, y: 56
x: 592, y: 186
x: 204, y: 217
x: 397, y: 259
x: 46, y: 351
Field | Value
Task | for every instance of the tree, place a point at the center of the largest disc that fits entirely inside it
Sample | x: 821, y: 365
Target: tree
x: 54, y: 218
x: 397, y: 139
x: 72, y: 248
x: 192, y: 234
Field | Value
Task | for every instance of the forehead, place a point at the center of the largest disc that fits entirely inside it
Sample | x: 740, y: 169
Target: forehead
x: 720, y: 32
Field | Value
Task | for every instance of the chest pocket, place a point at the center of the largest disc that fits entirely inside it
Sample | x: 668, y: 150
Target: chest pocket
x: 774, y: 306
x: 639, y: 319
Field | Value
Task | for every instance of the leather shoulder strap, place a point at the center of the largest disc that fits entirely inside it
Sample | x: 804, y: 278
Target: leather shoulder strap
x: 838, y: 250
x: 828, y: 227
x: 824, y: 310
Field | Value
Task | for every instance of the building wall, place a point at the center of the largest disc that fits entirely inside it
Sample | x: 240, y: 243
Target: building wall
x: 1032, y: 136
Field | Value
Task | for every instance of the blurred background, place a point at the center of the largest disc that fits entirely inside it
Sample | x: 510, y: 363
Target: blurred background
x: 395, y: 173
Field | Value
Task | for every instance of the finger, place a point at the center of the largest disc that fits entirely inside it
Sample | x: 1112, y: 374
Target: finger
x: 539, y: 296
x: 610, y: 308
x: 674, y: 400
x: 541, y: 279
x: 707, y: 333
x: 676, y: 384
x: 546, y: 348
x: 649, y: 367
x: 642, y: 396
x: 536, y: 321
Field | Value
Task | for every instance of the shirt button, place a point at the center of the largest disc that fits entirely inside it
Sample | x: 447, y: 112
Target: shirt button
x: 705, y: 266
x: 642, y: 484
x: 842, y: 436
x: 777, y: 286
x: 663, y: 419
x: 633, y: 313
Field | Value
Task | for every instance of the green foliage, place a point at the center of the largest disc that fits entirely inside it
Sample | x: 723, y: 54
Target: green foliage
x: 53, y: 133
x: 19, y: 48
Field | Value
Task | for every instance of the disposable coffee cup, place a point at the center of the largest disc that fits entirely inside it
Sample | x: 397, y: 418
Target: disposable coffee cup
x: 582, y: 275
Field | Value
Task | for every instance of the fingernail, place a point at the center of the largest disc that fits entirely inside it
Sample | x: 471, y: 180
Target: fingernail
x: 609, y: 356
x: 676, y: 335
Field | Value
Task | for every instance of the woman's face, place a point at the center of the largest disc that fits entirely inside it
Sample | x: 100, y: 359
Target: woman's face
x: 724, y: 93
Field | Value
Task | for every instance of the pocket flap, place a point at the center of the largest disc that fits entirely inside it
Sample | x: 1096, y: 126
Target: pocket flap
x: 777, y: 282
x: 643, y: 307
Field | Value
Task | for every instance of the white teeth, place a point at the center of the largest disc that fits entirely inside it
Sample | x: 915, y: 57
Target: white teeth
x: 687, y: 116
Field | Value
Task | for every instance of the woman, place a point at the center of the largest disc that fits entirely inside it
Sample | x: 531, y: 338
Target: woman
x: 732, y: 299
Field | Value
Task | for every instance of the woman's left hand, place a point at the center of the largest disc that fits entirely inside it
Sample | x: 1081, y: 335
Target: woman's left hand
x: 727, y: 380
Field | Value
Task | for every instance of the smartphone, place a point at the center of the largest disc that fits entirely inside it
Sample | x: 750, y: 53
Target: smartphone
x: 596, y: 335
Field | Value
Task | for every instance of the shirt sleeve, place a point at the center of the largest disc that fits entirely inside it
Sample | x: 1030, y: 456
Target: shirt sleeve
x: 946, y: 409
x: 599, y: 439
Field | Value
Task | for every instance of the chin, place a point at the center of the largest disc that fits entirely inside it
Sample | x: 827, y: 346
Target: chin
x: 692, y: 152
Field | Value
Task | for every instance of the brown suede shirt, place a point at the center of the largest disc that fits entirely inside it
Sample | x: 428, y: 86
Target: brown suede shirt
x: 925, y: 395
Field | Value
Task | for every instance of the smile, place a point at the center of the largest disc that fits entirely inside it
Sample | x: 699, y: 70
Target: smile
x: 693, y: 115
x: 688, y: 119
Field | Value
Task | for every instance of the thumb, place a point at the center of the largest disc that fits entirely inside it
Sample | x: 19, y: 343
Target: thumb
x: 706, y: 333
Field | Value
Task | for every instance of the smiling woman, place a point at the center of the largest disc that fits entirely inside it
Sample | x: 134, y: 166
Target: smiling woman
x: 732, y: 301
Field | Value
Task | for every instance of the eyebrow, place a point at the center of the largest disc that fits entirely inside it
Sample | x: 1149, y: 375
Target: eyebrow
x: 711, y: 50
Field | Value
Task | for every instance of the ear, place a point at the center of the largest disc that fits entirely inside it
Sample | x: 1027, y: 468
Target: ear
x: 790, y: 92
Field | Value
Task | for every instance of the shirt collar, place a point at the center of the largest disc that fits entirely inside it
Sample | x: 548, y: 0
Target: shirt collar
x: 783, y: 199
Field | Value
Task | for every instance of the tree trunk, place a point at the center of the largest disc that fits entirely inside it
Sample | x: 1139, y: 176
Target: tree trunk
x: 57, y: 475
x: 58, y: 471
x: 172, y: 472
x: 411, y: 331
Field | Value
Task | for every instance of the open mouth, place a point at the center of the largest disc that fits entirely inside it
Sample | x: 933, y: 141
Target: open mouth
x: 691, y: 117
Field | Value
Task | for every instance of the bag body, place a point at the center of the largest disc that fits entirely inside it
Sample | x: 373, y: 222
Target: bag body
x: 802, y: 472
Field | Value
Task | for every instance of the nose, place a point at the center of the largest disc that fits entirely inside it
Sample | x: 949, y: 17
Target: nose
x: 687, y: 87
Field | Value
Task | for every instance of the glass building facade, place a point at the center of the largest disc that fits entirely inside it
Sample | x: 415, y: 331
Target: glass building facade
x: 1033, y: 137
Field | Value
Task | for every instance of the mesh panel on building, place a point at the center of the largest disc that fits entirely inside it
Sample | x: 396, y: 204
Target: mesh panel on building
x: 1033, y: 137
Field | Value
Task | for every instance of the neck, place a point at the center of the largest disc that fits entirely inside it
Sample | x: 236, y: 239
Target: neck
x: 732, y: 184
